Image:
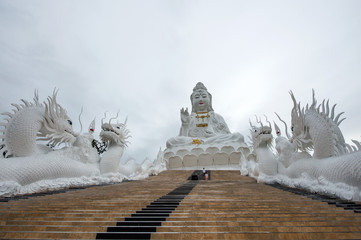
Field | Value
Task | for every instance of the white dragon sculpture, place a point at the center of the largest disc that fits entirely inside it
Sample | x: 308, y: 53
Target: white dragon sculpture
x: 115, y: 136
x: 261, y: 161
x: 35, y: 121
x: 316, y: 128
x: 24, y: 162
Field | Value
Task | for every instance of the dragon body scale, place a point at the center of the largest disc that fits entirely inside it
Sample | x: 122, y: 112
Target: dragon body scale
x: 33, y: 121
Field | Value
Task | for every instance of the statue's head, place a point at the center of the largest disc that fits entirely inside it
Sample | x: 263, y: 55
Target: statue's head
x: 201, y: 99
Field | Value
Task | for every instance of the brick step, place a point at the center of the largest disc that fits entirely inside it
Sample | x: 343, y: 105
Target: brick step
x: 184, y: 203
x: 51, y: 228
x: 260, y: 205
x: 66, y: 215
x: 220, y: 228
x: 56, y: 219
x: 262, y: 219
x: 273, y: 200
x: 179, y: 208
x: 259, y: 208
x: 273, y: 214
x: 261, y: 223
x: 258, y: 212
x: 216, y: 205
x: 183, y: 235
x: 265, y: 211
x: 44, y: 205
x: 247, y: 235
x: 75, y: 215
x: 47, y: 235
x: 58, y: 223
x: 76, y: 208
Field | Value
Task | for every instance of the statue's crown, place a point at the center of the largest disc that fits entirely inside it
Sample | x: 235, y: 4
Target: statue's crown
x: 199, y: 86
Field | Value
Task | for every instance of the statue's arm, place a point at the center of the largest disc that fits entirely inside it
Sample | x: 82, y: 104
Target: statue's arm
x: 183, y: 130
x: 185, y: 118
x: 221, y: 125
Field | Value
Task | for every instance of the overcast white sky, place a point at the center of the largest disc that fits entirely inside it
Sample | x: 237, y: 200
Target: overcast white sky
x: 143, y: 58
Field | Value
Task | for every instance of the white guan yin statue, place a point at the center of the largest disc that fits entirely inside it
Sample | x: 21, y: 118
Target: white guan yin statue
x: 203, y: 128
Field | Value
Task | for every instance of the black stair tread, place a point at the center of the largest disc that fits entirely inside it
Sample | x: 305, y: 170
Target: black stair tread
x: 331, y: 200
x: 165, y: 204
x: 135, y: 229
x: 150, y: 215
x: 173, y: 197
x: 144, y: 219
x: 153, y: 211
x: 166, y: 201
x: 139, y: 223
x: 114, y: 235
x: 353, y: 207
x: 158, y: 207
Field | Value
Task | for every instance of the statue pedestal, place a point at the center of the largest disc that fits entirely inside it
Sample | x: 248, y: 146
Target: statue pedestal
x: 208, y: 156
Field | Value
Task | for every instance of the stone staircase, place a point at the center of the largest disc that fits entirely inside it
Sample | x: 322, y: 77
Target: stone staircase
x: 169, y: 206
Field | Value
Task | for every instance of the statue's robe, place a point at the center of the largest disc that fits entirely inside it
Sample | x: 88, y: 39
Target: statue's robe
x: 208, y: 127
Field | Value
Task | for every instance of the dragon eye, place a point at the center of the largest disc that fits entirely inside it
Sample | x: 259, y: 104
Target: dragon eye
x: 292, y: 129
x: 255, y: 130
x: 118, y: 127
x: 70, y: 122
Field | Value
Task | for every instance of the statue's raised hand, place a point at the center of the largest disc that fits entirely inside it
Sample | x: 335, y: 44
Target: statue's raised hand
x: 184, y: 116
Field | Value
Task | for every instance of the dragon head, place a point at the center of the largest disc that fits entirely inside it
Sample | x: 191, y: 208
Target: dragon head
x: 57, y: 124
x: 114, y: 134
x: 300, y: 132
x: 262, y: 135
x: 297, y: 118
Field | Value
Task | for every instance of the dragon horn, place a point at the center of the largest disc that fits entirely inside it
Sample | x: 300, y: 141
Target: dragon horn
x: 51, y: 108
x: 314, y: 101
x: 357, y: 144
x: 55, y: 92
x: 259, y: 121
x: 338, y: 116
x: 105, y: 115
x: 300, y: 115
x: 27, y: 104
x: 267, y: 121
x: 54, y: 102
x: 81, y: 125
x: 36, y: 97
x: 114, y: 117
x: 293, y: 99
x: 288, y: 136
x: 250, y: 123
x: 338, y: 124
x: 349, y: 148
x: 333, y: 111
x: 327, y: 107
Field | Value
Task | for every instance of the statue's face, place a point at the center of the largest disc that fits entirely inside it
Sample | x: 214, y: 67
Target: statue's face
x: 201, y: 101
